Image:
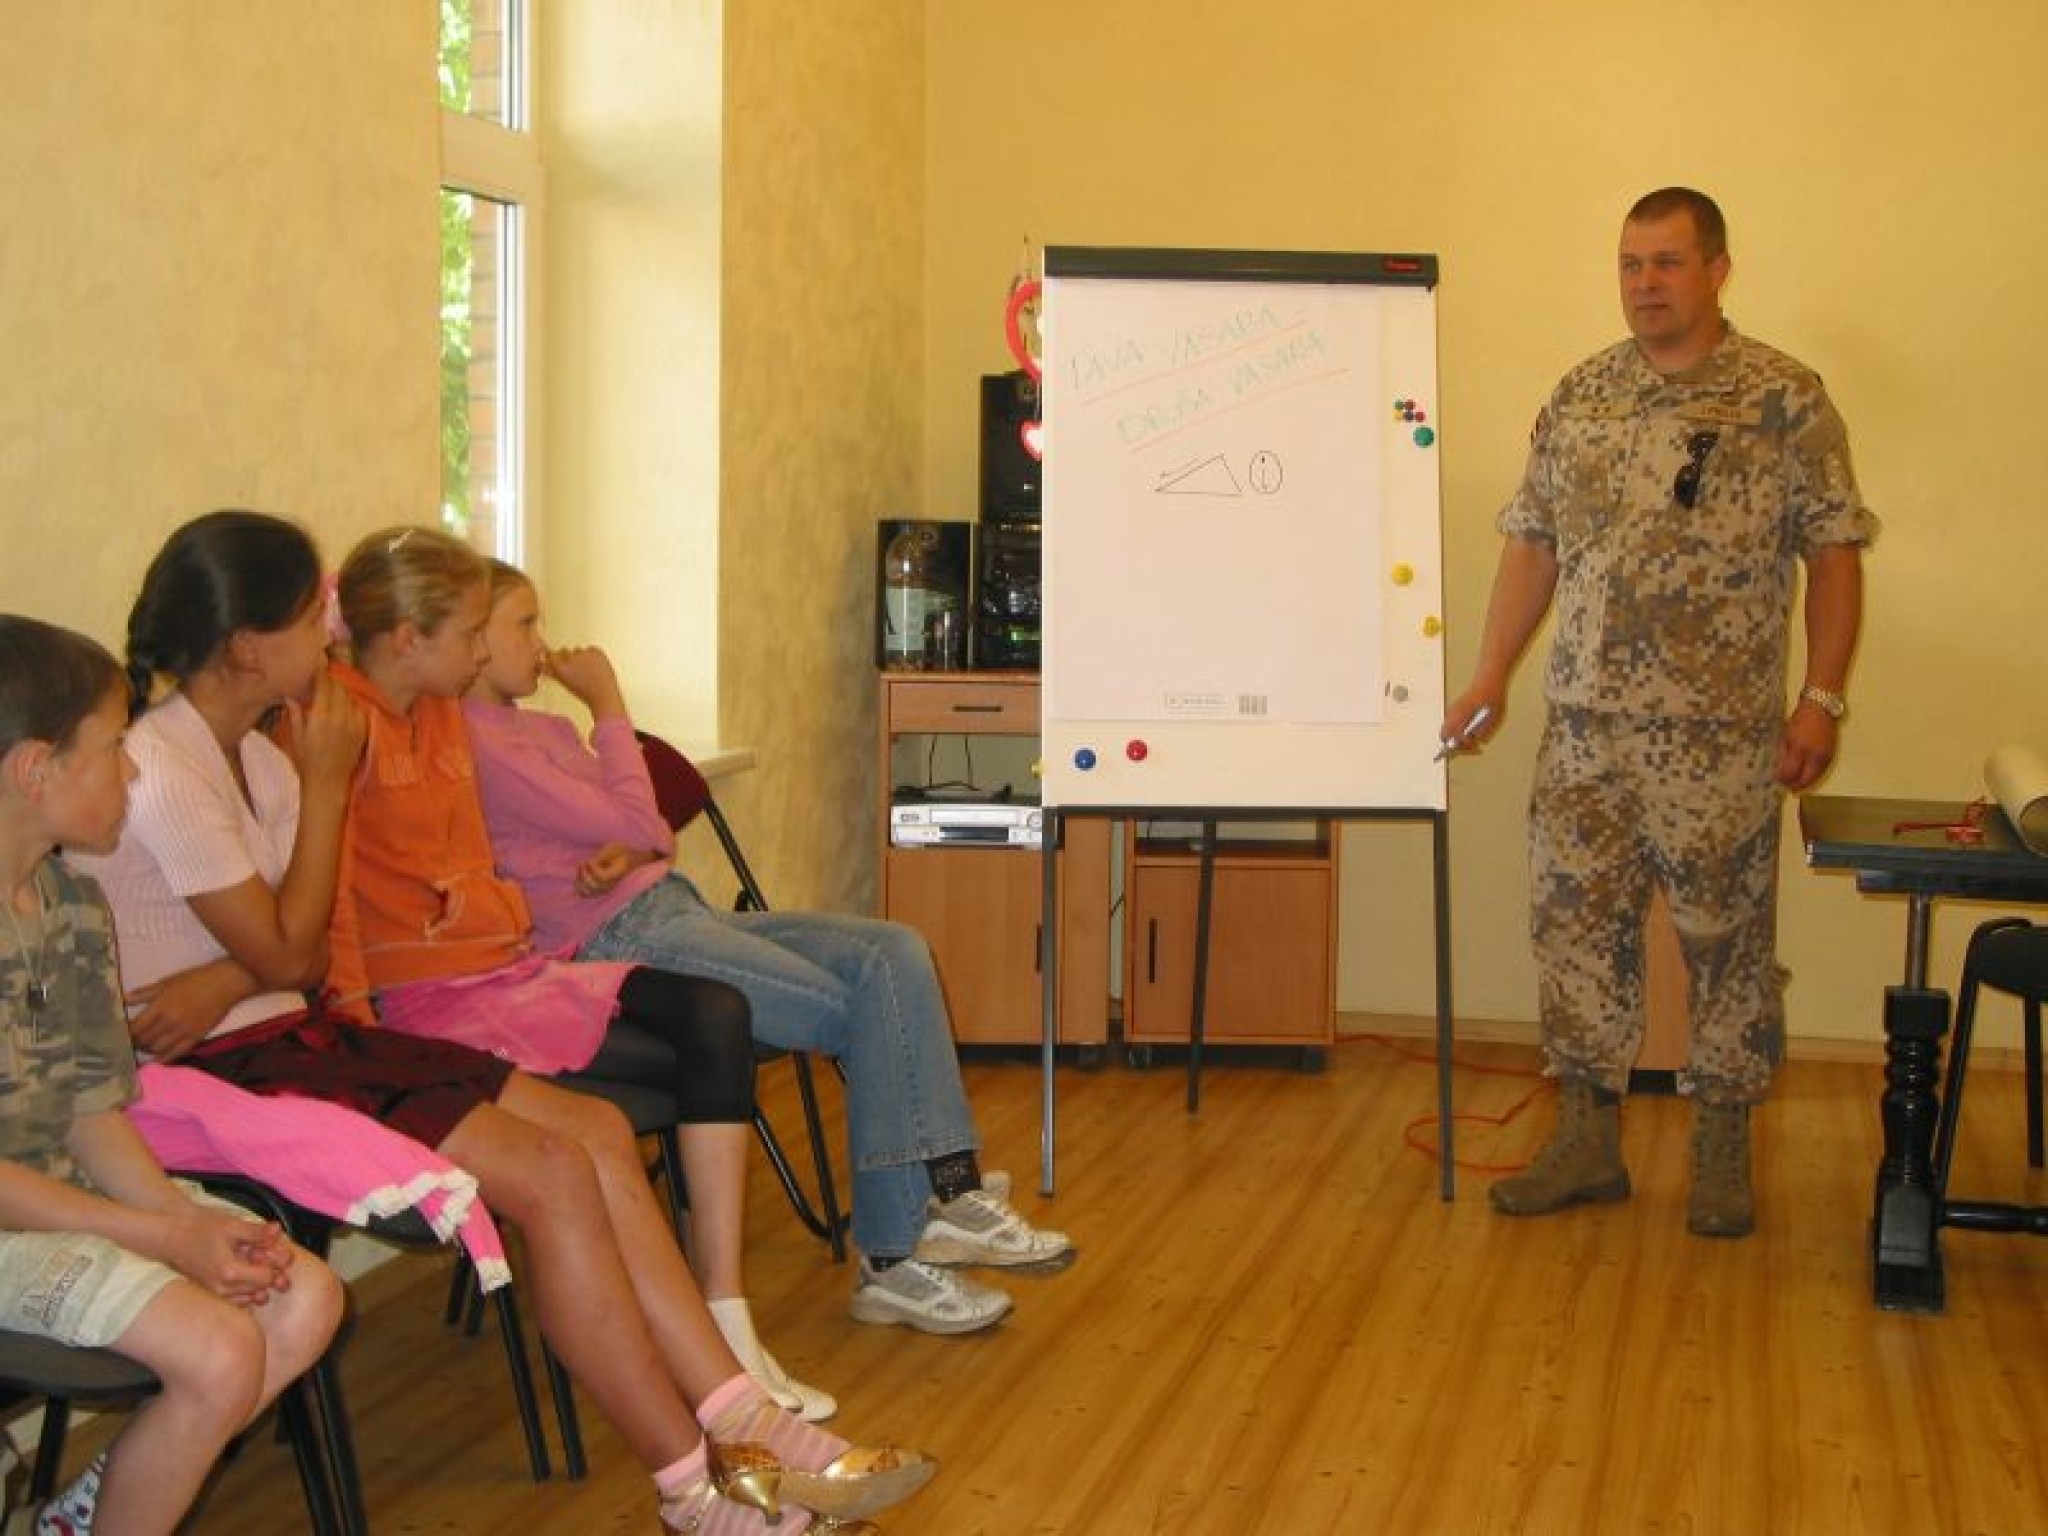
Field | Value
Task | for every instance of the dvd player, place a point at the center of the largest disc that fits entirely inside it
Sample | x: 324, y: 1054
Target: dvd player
x: 925, y: 823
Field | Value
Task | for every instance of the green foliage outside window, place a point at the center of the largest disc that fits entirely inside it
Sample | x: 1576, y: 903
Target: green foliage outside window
x: 457, y: 276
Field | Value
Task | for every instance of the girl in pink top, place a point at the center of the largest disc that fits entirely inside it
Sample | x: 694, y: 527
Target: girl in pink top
x: 241, y: 855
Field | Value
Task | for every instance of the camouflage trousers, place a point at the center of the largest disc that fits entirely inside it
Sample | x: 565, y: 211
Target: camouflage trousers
x: 1621, y: 802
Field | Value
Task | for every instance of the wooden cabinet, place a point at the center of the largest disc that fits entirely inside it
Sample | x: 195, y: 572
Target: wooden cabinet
x: 979, y: 908
x: 1272, y: 941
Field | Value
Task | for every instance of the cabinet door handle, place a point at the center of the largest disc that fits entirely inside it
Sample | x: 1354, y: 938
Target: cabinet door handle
x: 1151, y: 951
x: 977, y: 709
x: 1038, y: 949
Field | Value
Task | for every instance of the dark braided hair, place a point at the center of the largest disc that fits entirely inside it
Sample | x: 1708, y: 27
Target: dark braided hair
x: 219, y: 573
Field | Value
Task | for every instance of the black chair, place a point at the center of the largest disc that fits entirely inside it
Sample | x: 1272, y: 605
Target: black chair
x: 60, y: 1375
x: 315, y: 1231
x: 683, y: 794
x: 2009, y: 955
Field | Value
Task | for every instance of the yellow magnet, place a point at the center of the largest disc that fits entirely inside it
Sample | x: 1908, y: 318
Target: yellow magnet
x: 1403, y: 574
x: 1432, y: 626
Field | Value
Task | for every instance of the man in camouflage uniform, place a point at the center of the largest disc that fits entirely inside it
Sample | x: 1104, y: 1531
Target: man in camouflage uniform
x: 1673, y: 481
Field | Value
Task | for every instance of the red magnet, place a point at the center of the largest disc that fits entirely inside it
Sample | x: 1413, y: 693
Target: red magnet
x: 1136, y: 751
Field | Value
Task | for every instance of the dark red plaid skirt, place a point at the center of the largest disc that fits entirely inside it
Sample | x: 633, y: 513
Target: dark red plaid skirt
x: 421, y: 1087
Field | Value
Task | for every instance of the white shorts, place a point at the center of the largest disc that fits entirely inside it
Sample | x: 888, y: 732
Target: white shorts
x: 77, y: 1288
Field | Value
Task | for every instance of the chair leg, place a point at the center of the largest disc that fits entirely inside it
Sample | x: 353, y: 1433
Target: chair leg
x: 313, y: 1453
x: 673, y: 1180
x: 522, y: 1384
x: 785, y: 1174
x: 2033, y: 1046
x: 821, y: 1155
x: 42, y: 1480
x: 322, y: 1385
x: 1958, y: 1060
x: 564, y: 1393
x: 463, y: 1296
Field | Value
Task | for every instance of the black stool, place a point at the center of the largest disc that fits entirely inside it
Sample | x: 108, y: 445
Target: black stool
x: 2010, y: 955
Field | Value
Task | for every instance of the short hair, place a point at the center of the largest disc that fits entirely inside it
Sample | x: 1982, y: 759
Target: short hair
x: 1709, y: 228
x: 50, y: 680
x: 405, y: 575
x: 226, y: 571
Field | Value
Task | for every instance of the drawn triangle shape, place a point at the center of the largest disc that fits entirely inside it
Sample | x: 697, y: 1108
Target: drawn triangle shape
x: 1204, y: 477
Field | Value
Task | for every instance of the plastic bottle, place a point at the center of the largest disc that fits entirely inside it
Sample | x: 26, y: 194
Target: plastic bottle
x: 920, y: 609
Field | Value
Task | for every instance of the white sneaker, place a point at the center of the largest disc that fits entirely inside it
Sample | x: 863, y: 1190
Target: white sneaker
x: 735, y: 1321
x: 926, y: 1298
x: 982, y: 1227
x: 71, y: 1512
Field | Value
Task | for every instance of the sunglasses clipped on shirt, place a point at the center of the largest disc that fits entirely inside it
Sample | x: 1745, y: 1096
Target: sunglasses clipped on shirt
x: 1686, y: 487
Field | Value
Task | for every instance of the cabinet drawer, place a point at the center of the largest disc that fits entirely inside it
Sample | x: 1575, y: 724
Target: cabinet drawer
x: 966, y: 704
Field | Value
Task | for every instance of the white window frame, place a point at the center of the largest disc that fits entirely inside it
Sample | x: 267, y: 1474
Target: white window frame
x: 502, y: 163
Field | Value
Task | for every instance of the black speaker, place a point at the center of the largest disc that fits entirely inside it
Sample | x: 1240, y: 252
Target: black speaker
x: 1009, y: 473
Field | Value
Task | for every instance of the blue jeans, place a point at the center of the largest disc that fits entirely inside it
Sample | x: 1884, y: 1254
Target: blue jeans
x: 854, y: 988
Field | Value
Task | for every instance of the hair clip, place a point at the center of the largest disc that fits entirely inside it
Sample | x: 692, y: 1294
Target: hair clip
x: 397, y: 540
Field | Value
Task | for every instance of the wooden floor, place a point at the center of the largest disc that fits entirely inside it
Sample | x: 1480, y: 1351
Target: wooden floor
x: 1276, y: 1325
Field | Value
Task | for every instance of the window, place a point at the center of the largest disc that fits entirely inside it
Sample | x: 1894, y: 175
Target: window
x: 490, y: 206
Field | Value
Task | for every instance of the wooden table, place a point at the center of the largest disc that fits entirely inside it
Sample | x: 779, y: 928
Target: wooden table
x: 1878, y: 841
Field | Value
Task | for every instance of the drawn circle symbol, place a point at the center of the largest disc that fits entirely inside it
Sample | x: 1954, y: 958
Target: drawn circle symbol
x: 1264, y: 472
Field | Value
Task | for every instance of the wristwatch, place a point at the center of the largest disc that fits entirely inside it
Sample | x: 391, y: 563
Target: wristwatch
x: 1833, y: 705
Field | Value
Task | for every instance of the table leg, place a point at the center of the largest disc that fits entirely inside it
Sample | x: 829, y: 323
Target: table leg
x: 1919, y: 919
x: 1905, y: 1243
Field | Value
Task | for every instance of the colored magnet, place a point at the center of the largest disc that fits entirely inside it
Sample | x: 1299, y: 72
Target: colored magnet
x: 1432, y: 626
x: 1403, y: 574
x: 1424, y: 436
x: 1136, y: 751
x: 1085, y: 759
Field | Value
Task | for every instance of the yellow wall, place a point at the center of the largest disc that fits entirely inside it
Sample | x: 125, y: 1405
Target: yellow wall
x: 208, y: 294
x: 1880, y: 172
x: 822, y: 393
x: 626, y: 543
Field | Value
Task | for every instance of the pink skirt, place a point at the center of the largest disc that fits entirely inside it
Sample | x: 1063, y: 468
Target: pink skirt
x: 543, y: 1014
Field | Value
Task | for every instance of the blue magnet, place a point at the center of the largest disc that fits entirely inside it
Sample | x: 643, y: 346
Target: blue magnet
x: 1085, y: 759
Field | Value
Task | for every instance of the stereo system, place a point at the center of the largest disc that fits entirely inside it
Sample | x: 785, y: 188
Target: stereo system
x: 984, y: 576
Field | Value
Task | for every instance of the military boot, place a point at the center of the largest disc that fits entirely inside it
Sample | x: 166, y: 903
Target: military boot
x: 1722, y: 1203
x: 1580, y: 1165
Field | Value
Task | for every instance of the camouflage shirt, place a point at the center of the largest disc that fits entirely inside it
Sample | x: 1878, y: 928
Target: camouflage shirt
x: 71, y: 1056
x: 1678, y: 508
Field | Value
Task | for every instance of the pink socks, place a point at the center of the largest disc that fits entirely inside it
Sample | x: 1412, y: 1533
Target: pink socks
x: 741, y: 1411
x: 690, y: 1503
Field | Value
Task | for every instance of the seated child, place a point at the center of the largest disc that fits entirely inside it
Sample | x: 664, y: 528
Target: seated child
x: 97, y: 1246
x: 577, y: 827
